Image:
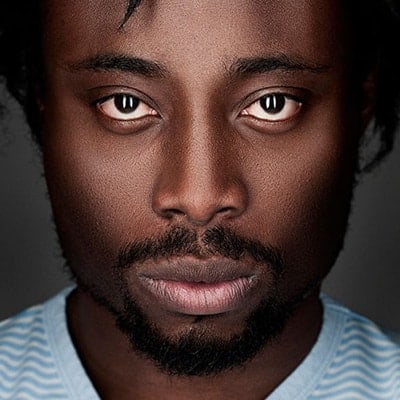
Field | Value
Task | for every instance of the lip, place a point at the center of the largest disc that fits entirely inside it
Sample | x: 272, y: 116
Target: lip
x: 200, y: 287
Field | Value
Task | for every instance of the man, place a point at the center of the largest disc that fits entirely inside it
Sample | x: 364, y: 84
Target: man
x: 200, y: 159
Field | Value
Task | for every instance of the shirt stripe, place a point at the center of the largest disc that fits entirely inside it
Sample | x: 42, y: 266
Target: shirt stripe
x: 27, y: 368
x: 353, y: 359
x: 366, y: 365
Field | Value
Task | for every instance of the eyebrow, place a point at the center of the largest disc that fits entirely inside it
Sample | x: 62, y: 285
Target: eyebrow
x: 152, y: 69
x: 122, y: 63
x: 262, y: 65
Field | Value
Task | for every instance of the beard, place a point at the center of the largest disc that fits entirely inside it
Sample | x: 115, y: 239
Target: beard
x: 197, y: 351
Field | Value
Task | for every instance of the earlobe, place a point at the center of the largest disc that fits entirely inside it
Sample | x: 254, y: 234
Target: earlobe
x: 368, y: 98
x: 40, y: 104
x: 39, y: 97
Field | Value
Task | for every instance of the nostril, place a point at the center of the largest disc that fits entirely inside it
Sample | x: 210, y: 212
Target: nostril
x: 173, y: 212
x: 227, y: 210
x: 199, y: 201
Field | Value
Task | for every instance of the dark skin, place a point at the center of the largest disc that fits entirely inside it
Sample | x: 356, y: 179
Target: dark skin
x: 200, y: 152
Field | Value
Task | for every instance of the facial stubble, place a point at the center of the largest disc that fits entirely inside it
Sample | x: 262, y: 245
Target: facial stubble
x: 198, y: 351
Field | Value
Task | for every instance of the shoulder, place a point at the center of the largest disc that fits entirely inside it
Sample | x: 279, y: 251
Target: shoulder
x: 27, y: 368
x: 367, y: 360
x: 22, y: 338
x: 359, y: 329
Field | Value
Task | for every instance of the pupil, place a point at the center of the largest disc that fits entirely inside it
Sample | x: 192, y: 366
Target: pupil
x: 126, y: 103
x: 273, y: 104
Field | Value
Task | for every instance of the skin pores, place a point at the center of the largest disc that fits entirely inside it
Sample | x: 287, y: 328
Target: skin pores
x: 246, y: 122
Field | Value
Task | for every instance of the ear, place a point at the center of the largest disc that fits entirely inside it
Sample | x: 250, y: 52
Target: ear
x: 39, y: 98
x: 368, y: 98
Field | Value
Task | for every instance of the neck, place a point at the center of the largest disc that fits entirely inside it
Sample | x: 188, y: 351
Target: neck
x: 116, y: 371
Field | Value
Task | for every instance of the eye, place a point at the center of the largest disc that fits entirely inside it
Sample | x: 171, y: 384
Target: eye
x: 273, y: 107
x: 125, y: 107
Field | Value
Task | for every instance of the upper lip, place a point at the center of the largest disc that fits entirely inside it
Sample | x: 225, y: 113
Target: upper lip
x: 197, y: 270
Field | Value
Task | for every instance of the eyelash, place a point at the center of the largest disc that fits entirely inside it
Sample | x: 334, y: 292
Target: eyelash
x: 271, y: 105
x: 119, y: 101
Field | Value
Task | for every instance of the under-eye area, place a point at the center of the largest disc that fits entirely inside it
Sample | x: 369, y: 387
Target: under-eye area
x: 275, y: 110
x: 122, y: 110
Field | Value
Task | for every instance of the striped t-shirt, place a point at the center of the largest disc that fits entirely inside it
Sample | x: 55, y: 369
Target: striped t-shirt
x: 352, y: 359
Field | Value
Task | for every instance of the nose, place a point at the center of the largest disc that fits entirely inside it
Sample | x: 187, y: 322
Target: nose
x: 200, y: 181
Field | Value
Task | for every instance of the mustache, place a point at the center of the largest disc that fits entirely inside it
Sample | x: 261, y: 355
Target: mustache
x: 217, y: 241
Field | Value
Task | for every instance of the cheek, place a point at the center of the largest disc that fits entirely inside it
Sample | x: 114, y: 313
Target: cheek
x: 304, y: 196
x: 299, y: 186
x: 98, y: 190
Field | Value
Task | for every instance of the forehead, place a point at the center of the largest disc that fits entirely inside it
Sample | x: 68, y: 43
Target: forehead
x: 209, y: 29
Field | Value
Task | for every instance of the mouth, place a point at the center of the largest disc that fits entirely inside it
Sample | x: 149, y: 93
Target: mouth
x: 200, y: 287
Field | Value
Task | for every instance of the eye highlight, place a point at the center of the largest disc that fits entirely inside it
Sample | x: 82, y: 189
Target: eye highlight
x: 273, y: 107
x: 124, y: 107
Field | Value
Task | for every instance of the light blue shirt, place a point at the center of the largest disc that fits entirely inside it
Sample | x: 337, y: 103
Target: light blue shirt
x: 352, y: 359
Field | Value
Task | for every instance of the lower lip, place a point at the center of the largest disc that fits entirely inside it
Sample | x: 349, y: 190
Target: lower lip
x: 200, y: 298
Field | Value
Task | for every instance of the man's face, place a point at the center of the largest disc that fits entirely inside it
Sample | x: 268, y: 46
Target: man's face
x: 211, y: 181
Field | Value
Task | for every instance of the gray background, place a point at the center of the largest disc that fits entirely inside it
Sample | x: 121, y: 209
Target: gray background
x: 366, y: 276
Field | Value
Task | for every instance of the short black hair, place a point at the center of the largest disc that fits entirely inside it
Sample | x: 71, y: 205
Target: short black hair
x: 374, y: 24
x: 21, y: 61
x: 132, y: 5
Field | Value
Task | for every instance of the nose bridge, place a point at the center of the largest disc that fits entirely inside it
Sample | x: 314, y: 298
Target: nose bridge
x: 201, y: 180
x: 203, y: 165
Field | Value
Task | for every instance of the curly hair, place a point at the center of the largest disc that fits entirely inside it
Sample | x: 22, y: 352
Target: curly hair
x: 374, y: 25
